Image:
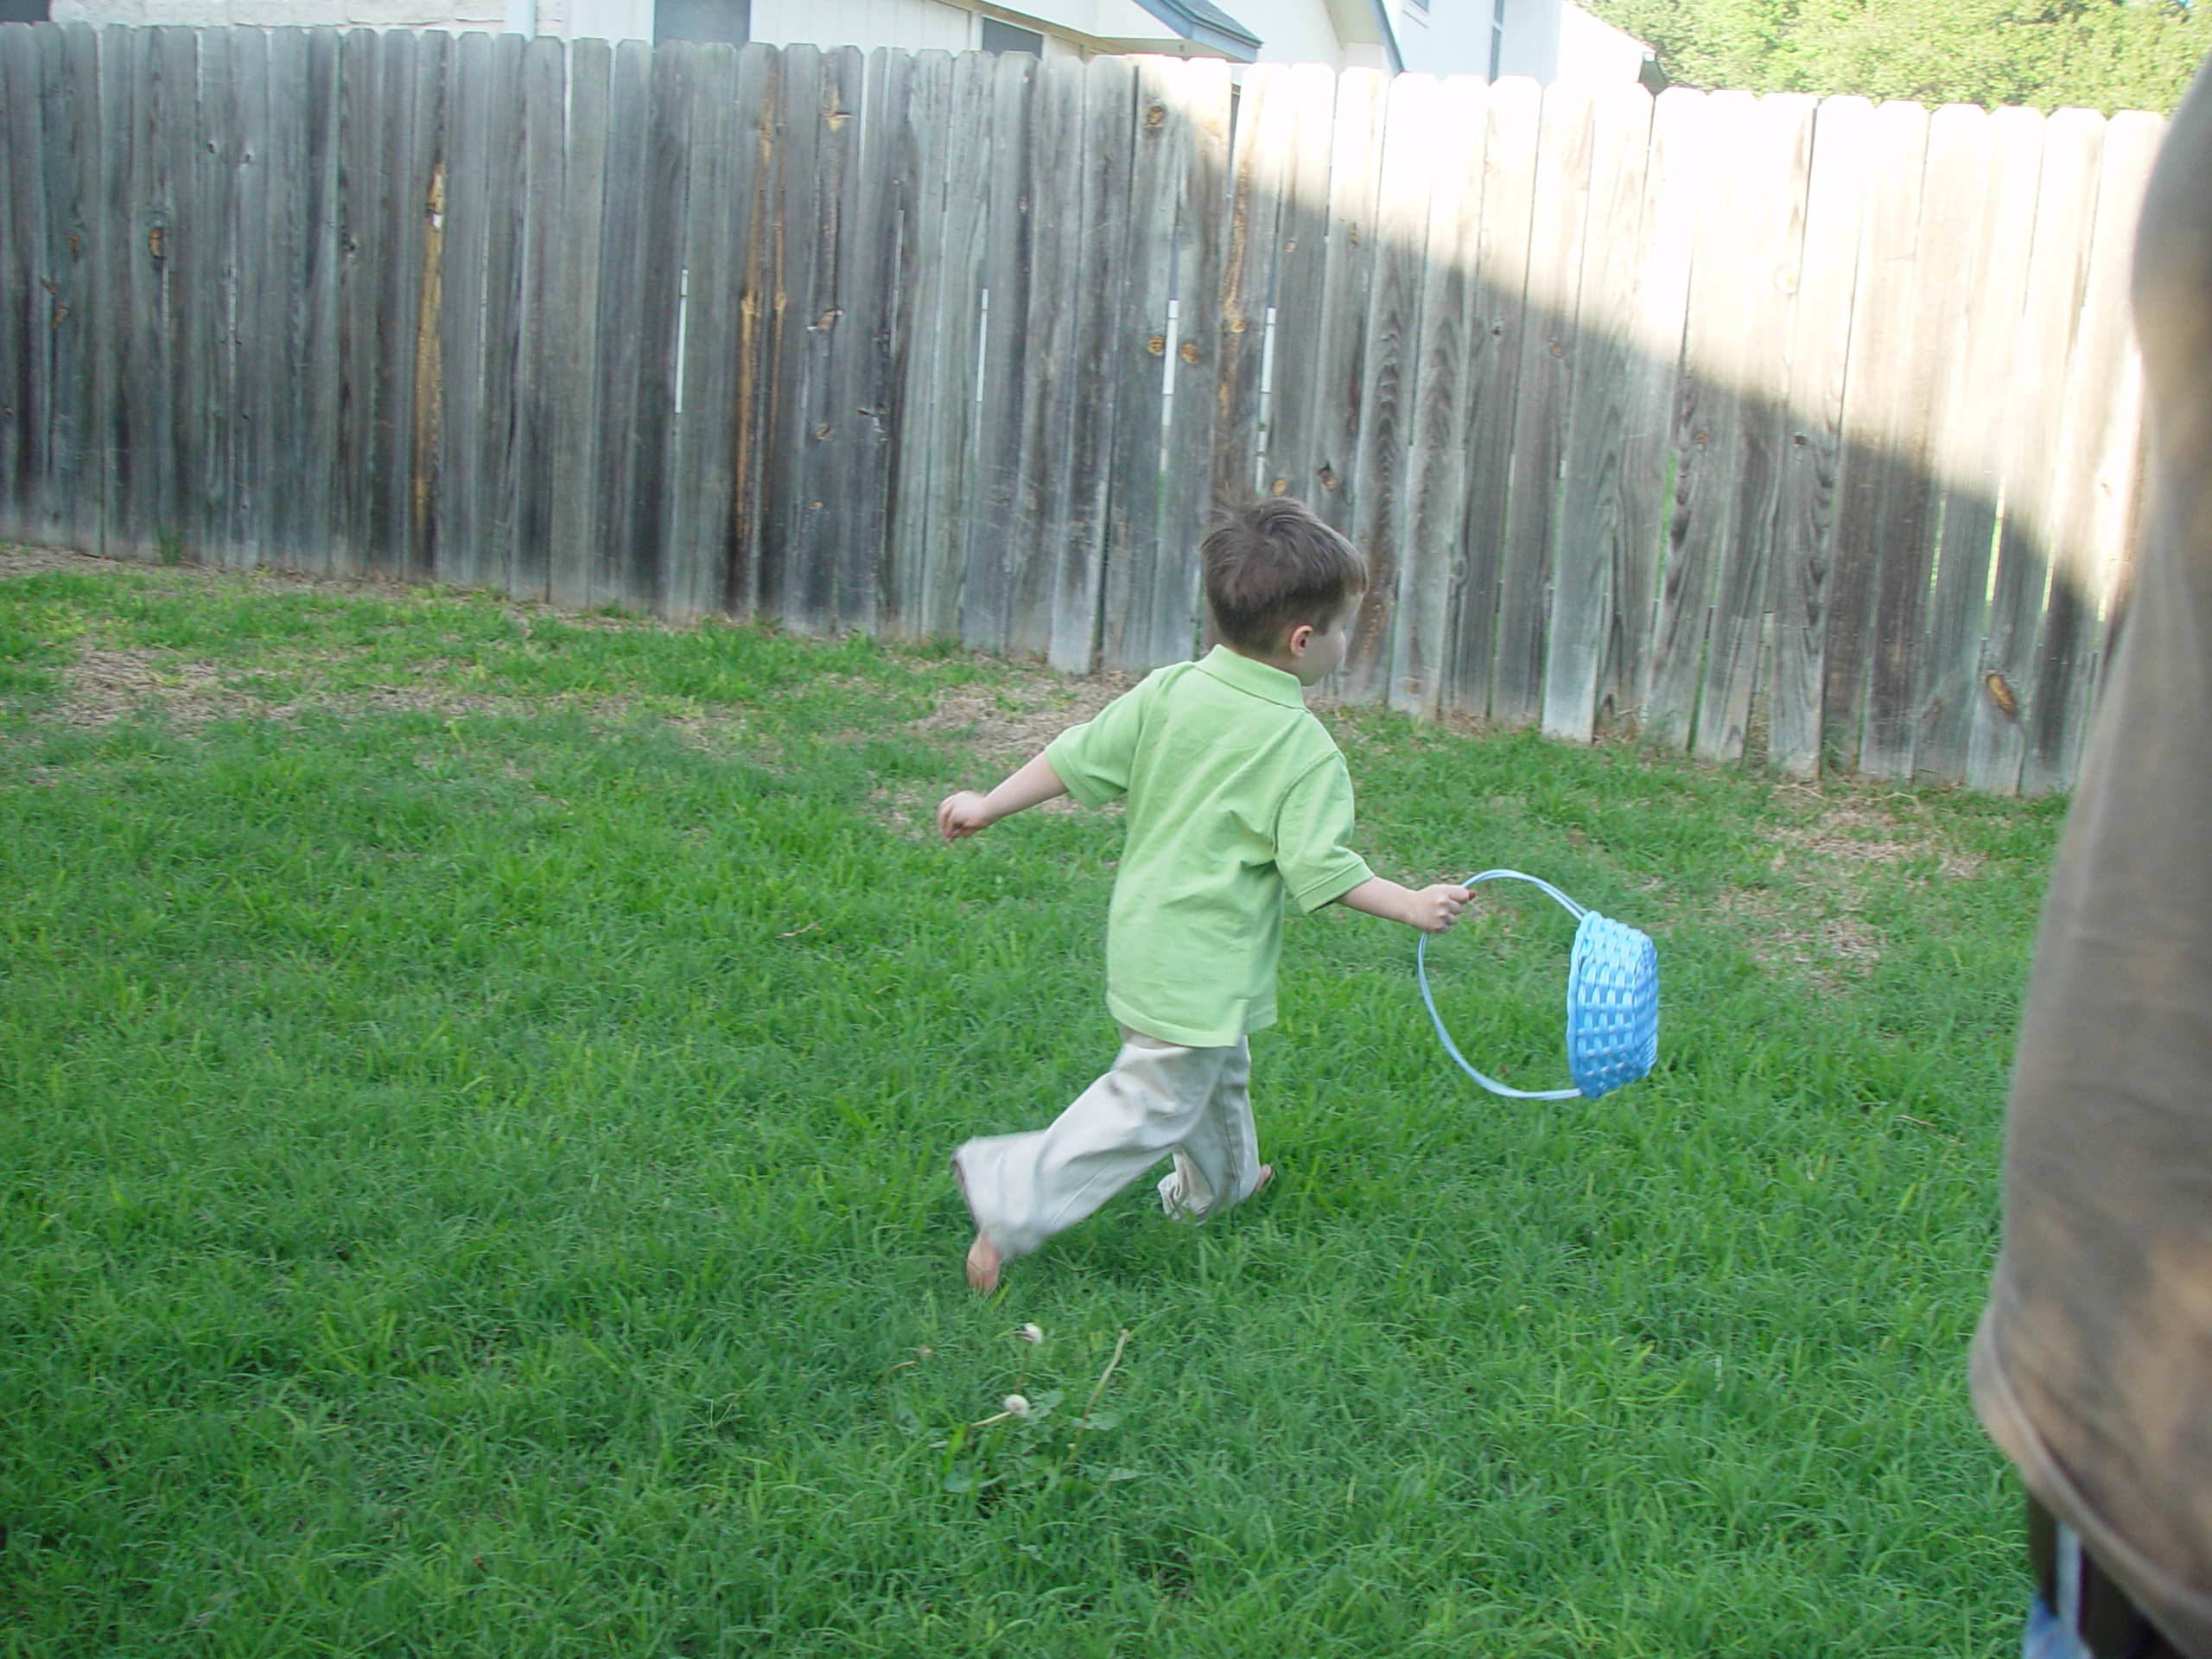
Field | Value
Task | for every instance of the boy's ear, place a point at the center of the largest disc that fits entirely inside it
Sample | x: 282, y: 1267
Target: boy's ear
x: 1296, y: 640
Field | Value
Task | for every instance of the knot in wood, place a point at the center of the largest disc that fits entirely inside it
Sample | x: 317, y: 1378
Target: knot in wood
x: 1558, y: 350
x: 2001, y: 694
x: 1189, y: 351
x: 1157, y: 344
x: 1155, y: 115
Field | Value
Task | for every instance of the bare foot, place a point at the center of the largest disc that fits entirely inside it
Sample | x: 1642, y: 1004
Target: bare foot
x: 1266, y: 1174
x: 983, y: 1266
x: 983, y: 1259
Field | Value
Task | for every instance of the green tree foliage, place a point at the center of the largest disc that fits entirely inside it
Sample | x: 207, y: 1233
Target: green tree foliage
x: 2100, y: 55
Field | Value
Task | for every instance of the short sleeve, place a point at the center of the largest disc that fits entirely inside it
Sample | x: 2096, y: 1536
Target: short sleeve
x: 1095, y: 760
x: 1313, y: 837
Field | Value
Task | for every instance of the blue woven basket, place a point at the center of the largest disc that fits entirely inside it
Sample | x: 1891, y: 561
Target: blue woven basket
x: 1613, y: 1002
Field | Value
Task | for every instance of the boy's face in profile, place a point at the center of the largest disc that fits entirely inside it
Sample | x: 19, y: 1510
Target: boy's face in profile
x: 1318, y: 652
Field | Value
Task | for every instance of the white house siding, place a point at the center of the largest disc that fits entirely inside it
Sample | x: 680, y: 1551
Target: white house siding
x: 614, y: 19
x: 1446, y: 37
x: 914, y: 25
x: 1549, y: 40
x: 1555, y: 40
x: 1295, y: 31
x: 458, y: 15
x: 1590, y: 49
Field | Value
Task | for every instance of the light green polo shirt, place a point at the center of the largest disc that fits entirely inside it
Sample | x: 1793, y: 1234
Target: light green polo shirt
x: 1237, y: 797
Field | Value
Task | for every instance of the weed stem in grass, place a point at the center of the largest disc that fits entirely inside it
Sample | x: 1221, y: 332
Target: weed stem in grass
x: 1083, y: 1423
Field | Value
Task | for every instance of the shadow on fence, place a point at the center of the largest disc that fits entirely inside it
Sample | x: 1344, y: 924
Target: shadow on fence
x: 1807, y: 430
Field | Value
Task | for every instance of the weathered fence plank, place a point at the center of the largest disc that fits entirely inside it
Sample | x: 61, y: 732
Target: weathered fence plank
x: 637, y: 324
x: 994, y: 512
x: 1884, y: 504
x: 702, y: 474
x: 570, y: 381
x: 1307, y: 97
x: 259, y: 329
x: 1326, y: 421
x: 1983, y: 169
x: 1450, y: 356
x: 458, y: 550
x: 1259, y: 157
x: 1665, y: 241
x: 761, y: 95
x: 2057, y: 272
x: 1046, y: 399
x: 76, y: 228
x: 1149, y: 600
x: 1593, y: 505
x: 1513, y: 115
x: 917, y: 159
x: 1132, y: 556
x: 1078, y: 527
x: 1547, y: 346
x: 1820, y: 342
x: 36, y: 282
x: 2096, y: 463
x: 1193, y: 368
x: 22, y: 461
x: 500, y: 362
x: 1773, y: 180
x: 854, y: 455
x: 948, y: 116
x: 34, y: 297
x: 208, y: 383
x: 544, y: 165
x: 307, y: 110
x: 1388, y: 390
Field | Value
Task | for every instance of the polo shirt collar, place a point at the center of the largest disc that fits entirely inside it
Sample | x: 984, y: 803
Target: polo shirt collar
x: 1274, y: 684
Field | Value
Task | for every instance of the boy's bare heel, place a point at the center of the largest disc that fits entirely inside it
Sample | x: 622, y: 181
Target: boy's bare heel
x: 983, y: 1260
x: 983, y: 1266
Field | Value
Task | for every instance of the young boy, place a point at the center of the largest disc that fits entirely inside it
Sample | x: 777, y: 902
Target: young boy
x: 1237, y: 798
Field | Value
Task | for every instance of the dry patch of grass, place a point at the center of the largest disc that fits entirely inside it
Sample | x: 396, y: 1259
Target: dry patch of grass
x: 1868, y: 832
x: 1003, y: 724
x: 990, y: 729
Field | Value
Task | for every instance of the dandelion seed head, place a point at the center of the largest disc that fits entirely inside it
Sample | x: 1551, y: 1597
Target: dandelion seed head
x: 1033, y: 1334
x: 1016, y: 1405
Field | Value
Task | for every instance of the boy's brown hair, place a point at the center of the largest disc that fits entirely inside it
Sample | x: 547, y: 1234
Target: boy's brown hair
x: 1273, y: 565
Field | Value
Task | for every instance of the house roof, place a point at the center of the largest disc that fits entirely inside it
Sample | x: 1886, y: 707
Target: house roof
x: 1208, y: 25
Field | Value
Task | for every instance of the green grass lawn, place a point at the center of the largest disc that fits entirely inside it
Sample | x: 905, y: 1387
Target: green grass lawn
x: 474, y: 1093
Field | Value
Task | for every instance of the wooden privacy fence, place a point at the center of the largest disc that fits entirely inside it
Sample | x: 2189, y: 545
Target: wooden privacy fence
x: 1808, y: 427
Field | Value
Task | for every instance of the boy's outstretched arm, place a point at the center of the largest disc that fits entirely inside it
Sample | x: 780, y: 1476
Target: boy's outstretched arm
x: 1431, y: 910
x: 966, y: 812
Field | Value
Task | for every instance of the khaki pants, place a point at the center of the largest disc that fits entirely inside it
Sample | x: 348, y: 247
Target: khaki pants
x: 1157, y: 1099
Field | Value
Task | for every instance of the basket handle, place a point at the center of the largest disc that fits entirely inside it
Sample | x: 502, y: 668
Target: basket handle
x: 1421, y: 968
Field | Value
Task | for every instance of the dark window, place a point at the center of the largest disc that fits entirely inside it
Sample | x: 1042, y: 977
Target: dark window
x: 1005, y: 37
x: 23, y: 11
x: 727, y: 21
x: 1497, y: 39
